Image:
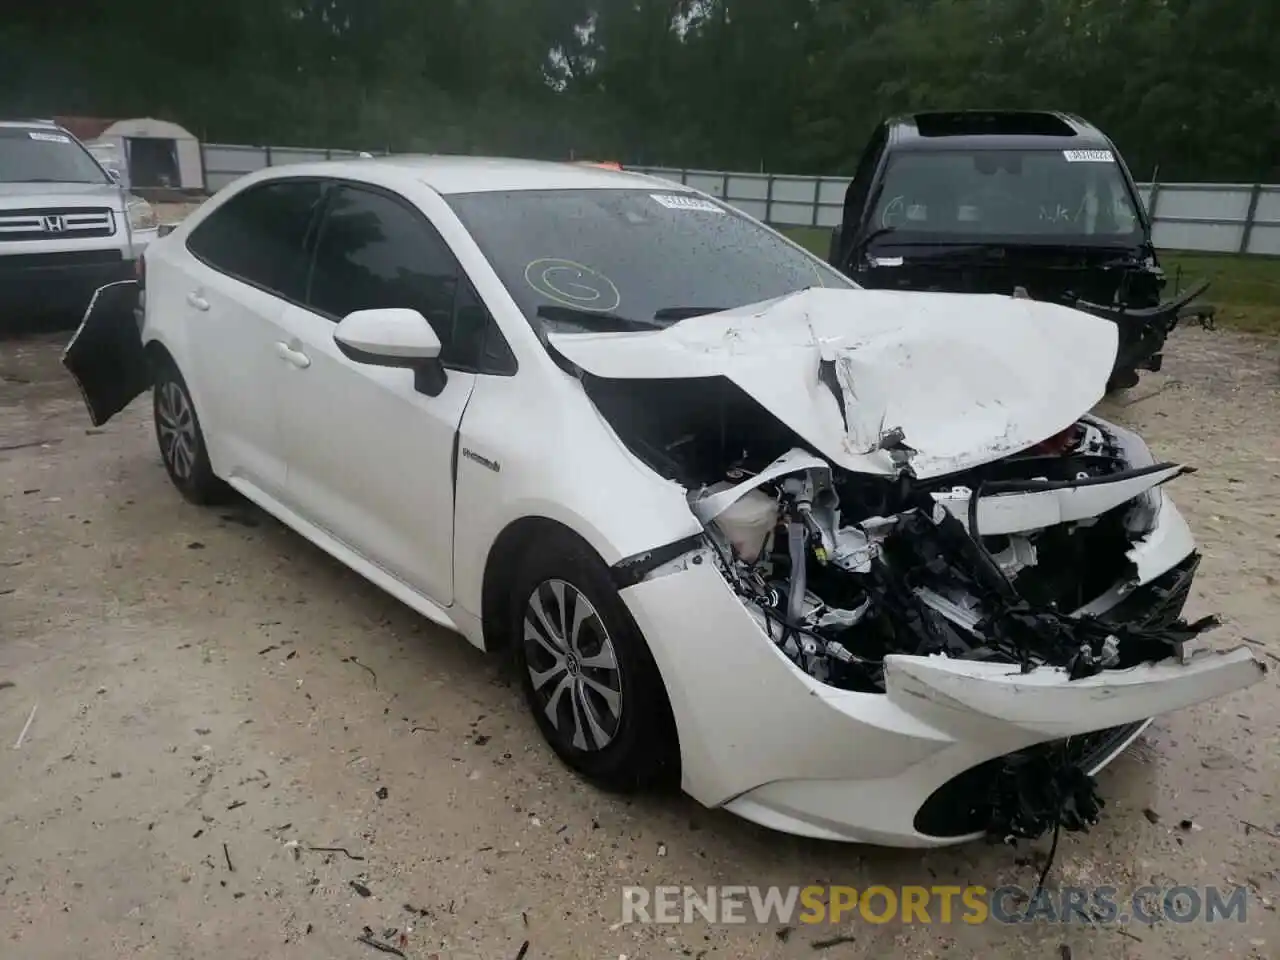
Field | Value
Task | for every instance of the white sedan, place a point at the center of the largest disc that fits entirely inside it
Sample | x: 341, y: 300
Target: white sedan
x: 851, y: 564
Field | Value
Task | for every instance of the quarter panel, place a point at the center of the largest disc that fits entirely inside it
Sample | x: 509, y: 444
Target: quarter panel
x: 164, y: 317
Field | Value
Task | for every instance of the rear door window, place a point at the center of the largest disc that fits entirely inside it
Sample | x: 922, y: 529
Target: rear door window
x: 260, y: 236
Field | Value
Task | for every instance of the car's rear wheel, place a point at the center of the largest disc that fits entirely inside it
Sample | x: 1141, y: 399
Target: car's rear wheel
x: 587, y: 673
x: 181, y: 439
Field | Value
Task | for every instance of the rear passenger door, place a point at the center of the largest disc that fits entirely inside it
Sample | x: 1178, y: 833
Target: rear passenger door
x: 370, y: 458
x: 249, y: 259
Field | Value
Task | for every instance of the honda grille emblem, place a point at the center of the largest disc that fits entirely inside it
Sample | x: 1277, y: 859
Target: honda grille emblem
x: 54, y: 224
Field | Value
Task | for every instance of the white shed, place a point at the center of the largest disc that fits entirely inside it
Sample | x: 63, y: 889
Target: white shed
x: 158, y: 153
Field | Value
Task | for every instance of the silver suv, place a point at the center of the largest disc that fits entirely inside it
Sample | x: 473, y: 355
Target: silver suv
x: 67, y: 225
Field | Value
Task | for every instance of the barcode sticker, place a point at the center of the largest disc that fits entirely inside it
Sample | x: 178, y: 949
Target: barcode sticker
x: 1089, y: 156
x: 683, y: 201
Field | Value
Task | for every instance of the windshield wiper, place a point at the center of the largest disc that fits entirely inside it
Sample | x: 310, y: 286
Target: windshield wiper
x: 684, y: 313
x: 876, y: 234
x: 963, y: 251
x: 595, y: 318
x: 964, y: 246
x: 48, y: 180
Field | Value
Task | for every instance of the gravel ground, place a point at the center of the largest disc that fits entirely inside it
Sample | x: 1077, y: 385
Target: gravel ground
x: 214, y: 697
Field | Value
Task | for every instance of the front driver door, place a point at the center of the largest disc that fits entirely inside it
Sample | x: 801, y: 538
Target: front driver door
x: 369, y: 458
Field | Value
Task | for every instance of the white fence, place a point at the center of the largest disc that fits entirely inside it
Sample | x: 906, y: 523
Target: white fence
x: 1209, y: 217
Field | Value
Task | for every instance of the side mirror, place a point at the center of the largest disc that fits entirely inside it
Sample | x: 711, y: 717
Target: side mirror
x: 115, y: 175
x: 164, y: 229
x: 394, y: 337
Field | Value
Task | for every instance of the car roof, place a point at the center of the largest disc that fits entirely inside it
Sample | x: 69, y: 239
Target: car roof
x: 994, y: 130
x: 463, y: 174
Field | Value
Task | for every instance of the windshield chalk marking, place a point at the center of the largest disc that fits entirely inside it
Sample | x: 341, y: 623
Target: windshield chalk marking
x: 570, y: 283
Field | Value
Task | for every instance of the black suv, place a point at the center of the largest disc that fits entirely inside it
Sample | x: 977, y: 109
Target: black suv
x: 1036, y: 204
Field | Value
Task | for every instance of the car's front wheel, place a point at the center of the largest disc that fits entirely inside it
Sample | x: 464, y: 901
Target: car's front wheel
x: 587, y: 673
x: 181, y: 440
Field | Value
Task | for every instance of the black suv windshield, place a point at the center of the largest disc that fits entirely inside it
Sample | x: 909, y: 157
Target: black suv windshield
x: 627, y: 259
x: 1045, y: 196
x: 30, y: 155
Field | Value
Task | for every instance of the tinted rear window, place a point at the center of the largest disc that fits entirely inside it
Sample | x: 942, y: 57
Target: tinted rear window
x: 258, y: 235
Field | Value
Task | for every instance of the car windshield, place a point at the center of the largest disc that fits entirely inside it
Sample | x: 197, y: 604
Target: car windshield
x: 1034, y: 195
x: 45, y: 156
x: 631, y: 259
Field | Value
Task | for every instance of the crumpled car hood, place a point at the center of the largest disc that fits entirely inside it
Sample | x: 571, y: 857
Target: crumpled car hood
x: 874, y: 380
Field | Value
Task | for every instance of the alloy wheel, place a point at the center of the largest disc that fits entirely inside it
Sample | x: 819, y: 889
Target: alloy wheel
x: 572, y: 665
x: 176, y: 425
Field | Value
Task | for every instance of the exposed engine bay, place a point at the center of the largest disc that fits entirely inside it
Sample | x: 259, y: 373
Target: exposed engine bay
x: 840, y: 581
x: 843, y: 569
x: 995, y: 563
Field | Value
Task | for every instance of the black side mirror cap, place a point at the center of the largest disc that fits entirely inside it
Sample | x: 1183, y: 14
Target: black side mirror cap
x: 430, y: 377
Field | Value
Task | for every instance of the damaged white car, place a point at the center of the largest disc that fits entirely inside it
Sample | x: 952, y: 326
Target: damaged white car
x: 850, y: 564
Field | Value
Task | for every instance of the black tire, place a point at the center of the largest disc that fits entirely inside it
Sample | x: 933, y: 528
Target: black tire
x: 181, y: 439
x: 639, y: 749
x: 1122, y: 380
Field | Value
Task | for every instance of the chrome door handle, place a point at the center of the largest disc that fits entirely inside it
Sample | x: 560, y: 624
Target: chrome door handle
x: 290, y: 355
x: 197, y: 301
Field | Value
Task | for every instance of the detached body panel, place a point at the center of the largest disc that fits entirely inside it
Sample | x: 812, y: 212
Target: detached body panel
x: 106, y: 356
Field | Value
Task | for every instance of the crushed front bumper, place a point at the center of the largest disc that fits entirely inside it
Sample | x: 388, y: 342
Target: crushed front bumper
x: 764, y: 740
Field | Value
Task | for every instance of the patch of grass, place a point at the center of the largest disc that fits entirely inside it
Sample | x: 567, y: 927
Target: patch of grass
x: 1246, y: 290
x: 817, y: 240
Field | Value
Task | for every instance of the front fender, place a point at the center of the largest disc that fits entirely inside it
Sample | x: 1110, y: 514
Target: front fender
x: 546, y: 453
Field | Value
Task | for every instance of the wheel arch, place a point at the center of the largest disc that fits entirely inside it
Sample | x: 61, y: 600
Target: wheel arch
x: 159, y: 352
x: 156, y: 353
x: 500, y: 567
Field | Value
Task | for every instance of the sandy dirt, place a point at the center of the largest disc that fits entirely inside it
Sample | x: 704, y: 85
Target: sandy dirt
x: 214, y: 697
